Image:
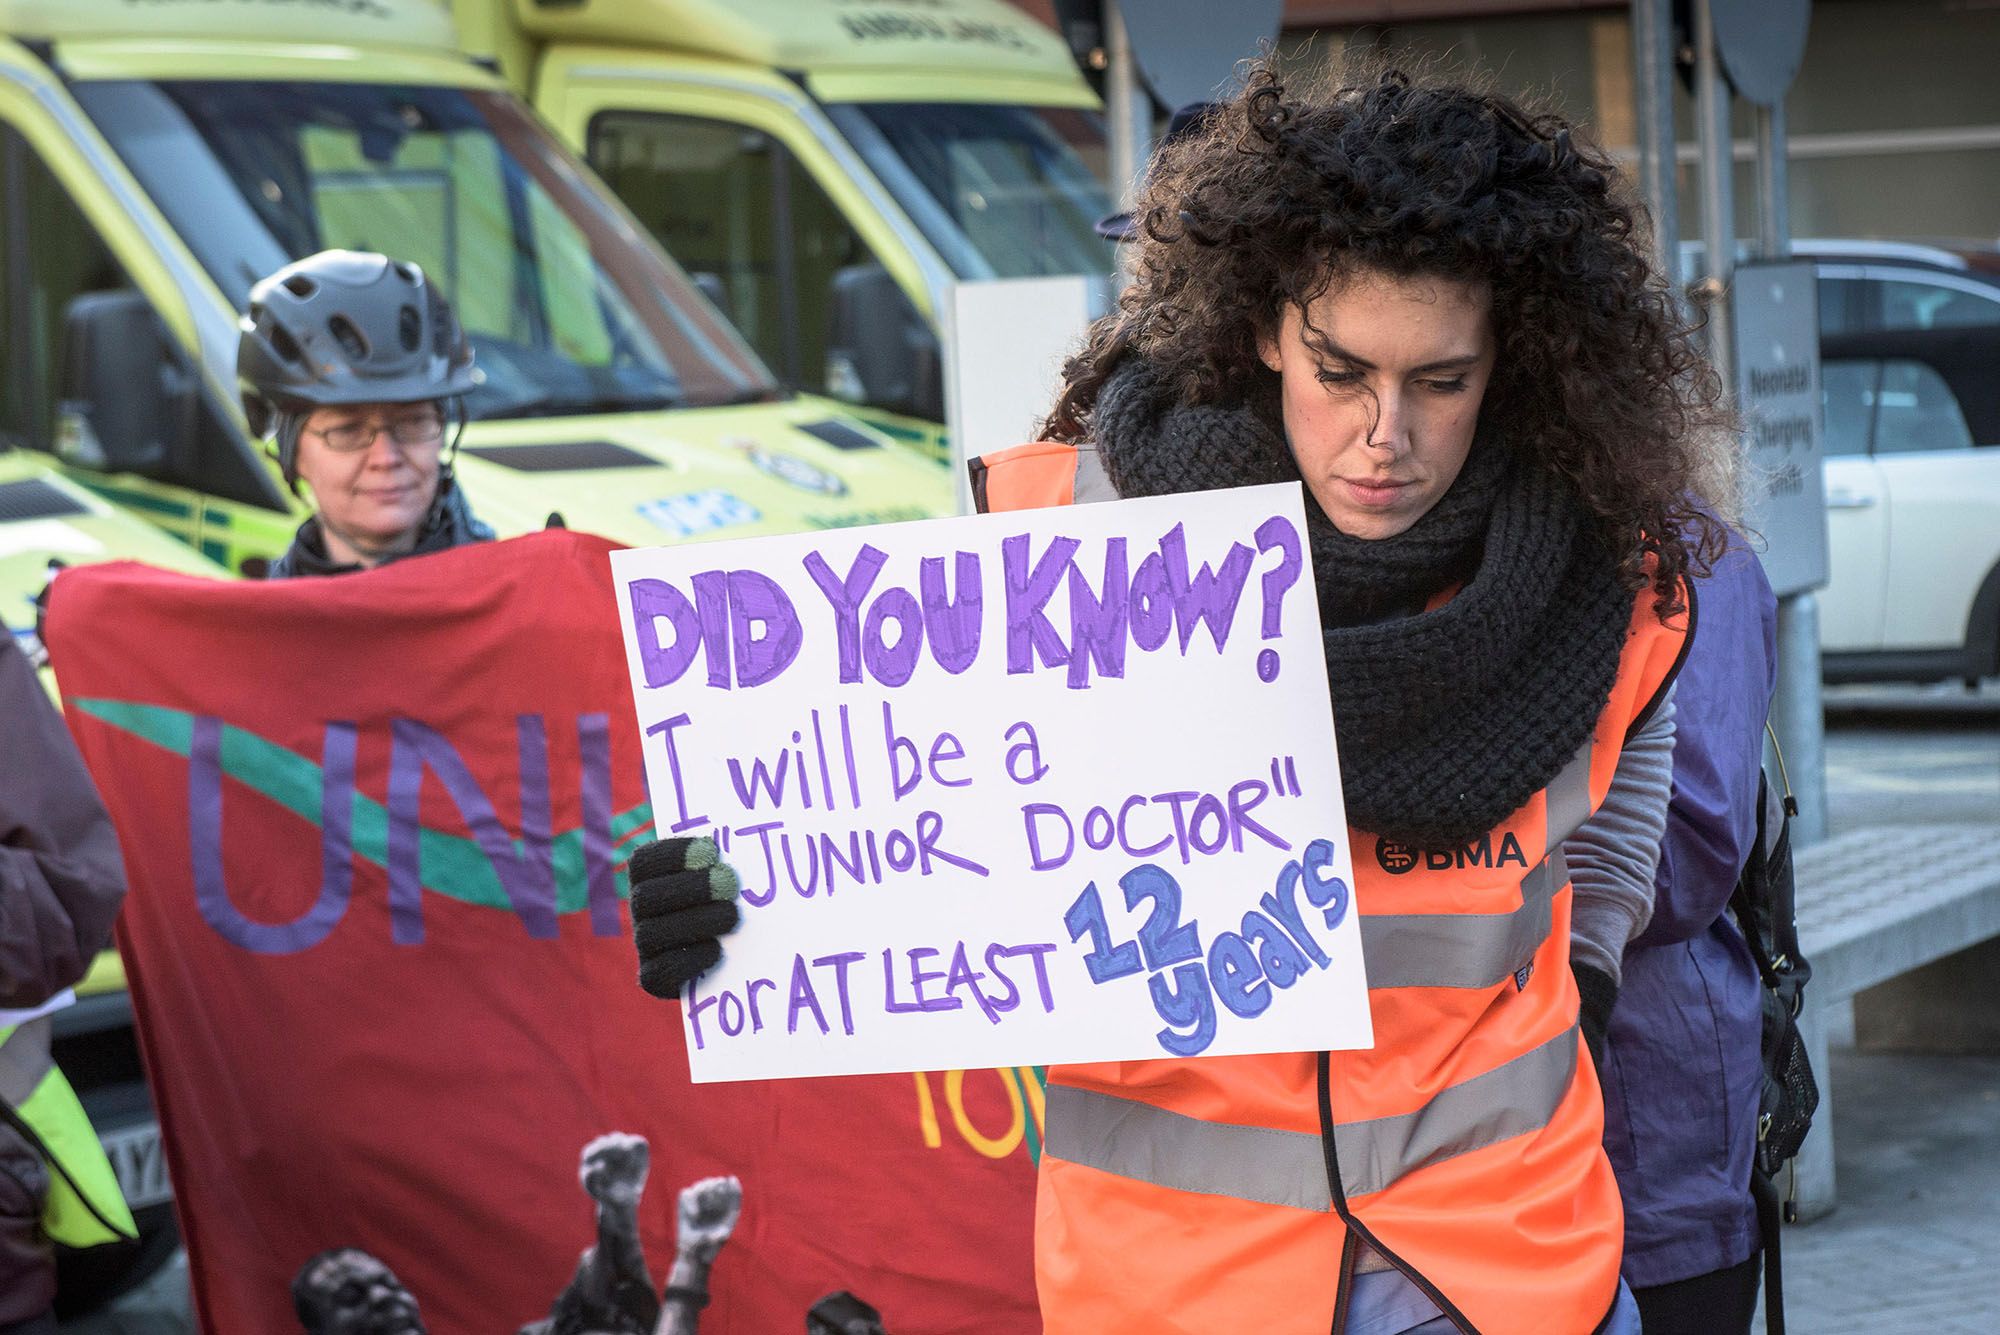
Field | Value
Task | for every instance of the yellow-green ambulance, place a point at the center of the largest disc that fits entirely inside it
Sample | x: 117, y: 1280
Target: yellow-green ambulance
x: 161, y: 157
x: 826, y: 169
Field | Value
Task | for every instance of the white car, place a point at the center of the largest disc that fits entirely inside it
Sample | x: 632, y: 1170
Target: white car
x: 1910, y: 380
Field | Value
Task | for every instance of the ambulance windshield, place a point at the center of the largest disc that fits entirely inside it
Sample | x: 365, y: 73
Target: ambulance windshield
x: 567, y: 310
x: 1000, y: 191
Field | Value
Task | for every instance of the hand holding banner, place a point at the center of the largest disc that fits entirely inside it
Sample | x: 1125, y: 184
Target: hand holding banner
x: 1047, y: 786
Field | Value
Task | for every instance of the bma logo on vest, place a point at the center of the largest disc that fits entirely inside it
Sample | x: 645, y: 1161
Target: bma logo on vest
x: 1398, y: 858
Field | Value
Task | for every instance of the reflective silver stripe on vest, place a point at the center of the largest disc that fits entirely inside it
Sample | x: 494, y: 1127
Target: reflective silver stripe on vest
x: 1481, y: 949
x: 1092, y: 483
x: 1169, y: 1149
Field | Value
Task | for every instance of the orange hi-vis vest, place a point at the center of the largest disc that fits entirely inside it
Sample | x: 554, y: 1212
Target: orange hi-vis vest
x: 1197, y: 1195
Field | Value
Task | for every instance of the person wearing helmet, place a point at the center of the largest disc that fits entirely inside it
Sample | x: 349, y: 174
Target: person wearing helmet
x: 354, y: 365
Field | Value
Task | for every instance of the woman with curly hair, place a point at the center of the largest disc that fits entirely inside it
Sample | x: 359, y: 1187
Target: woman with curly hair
x: 1436, y: 311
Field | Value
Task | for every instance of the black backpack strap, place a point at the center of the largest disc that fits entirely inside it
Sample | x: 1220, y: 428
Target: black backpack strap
x: 1765, y: 1191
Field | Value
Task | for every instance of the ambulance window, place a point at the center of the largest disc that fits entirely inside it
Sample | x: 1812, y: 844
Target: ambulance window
x: 748, y: 223
x: 55, y: 256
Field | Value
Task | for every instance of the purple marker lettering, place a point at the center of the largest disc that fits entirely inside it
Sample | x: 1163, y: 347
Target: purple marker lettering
x: 803, y: 998
x: 1177, y: 801
x: 929, y: 826
x: 1239, y: 814
x: 891, y: 663
x: 847, y: 748
x: 919, y: 976
x: 1031, y: 814
x: 845, y: 596
x: 653, y: 600
x: 825, y: 775
x: 889, y: 1002
x: 1209, y: 596
x: 938, y: 753
x: 953, y: 627
x: 1028, y: 592
x: 1039, y: 953
x: 666, y: 733
x: 756, y: 600
x: 994, y: 954
x: 1097, y: 621
x: 763, y: 833
x: 711, y: 605
x: 1152, y: 603
x: 895, y: 746
x: 963, y: 972
x: 756, y: 1020
x: 696, y: 1004
x: 840, y: 963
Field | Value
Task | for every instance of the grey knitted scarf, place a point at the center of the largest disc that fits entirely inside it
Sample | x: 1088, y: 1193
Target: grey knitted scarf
x: 1450, y: 719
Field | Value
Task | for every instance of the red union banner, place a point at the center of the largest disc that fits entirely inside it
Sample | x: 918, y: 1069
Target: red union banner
x: 376, y: 829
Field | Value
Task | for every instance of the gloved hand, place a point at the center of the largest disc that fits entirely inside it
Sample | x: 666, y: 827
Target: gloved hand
x: 683, y: 899
x: 1599, y: 994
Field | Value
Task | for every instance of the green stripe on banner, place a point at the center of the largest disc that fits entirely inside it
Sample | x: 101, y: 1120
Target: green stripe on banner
x: 449, y: 864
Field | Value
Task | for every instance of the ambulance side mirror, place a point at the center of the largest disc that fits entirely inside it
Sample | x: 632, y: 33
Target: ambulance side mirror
x: 127, y: 401
x: 879, y: 351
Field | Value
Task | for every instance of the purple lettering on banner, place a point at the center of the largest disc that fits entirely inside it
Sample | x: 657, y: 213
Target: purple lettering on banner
x: 1030, y: 815
x: 1152, y: 603
x: 840, y: 963
x: 953, y: 626
x: 892, y: 664
x: 1209, y: 596
x: 929, y: 826
x: 1028, y: 592
x: 901, y: 855
x: 938, y: 753
x: 696, y: 1004
x: 756, y: 1020
x: 852, y: 864
x: 845, y: 596
x: 1239, y: 983
x: 1109, y: 829
x: 919, y: 976
x: 895, y: 745
x: 1039, y: 952
x: 665, y: 730
x: 812, y: 864
x: 963, y: 973
x: 771, y: 780
x: 1209, y: 806
x: 336, y: 848
x: 653, y: 600
x: 711, y: 605
x: 1125, y: 839
x: 1277, y: 531
x: 803, y: 998
x: 1097, y: 620
x: 728, y: 999
x: 1178, y: 802
x: 1256, y: 790
x: 593, y: 746
x: 526, y: 876
x: 757, y: 600
x: 889, y: 1002
x: 763, y: 833
x: 1281, y: 903
x: 1032, y: 749
x: 1281, y: 959
x: 1000, y: 1005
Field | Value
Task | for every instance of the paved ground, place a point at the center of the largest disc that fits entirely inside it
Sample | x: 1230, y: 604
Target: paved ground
x: 1915, y: 1244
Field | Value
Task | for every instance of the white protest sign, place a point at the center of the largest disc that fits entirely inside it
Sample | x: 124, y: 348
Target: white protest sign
x: 1049, y: 786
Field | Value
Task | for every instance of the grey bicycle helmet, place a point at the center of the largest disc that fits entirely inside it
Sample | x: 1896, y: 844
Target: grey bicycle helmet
x: 346, y: 326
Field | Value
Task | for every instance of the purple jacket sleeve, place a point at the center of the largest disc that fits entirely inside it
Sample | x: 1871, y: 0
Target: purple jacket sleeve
x: 1724, y: 692
x: 61, y: 876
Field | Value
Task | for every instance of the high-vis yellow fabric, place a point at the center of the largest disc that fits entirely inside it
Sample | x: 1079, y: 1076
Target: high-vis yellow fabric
x: 76, y: 1159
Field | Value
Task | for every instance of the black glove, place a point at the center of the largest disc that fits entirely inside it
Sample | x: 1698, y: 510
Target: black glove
x: 1599, y: 994
x: 683, y: 898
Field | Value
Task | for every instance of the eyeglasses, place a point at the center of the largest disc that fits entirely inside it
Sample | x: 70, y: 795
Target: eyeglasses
x: 406, y: 432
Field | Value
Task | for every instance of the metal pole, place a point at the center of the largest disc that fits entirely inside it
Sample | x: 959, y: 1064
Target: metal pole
x: 1774, y: 214
x: 1653, y: 117
x: 1128, y: 108
x: 1718, y: 199
x: 1797, y: 712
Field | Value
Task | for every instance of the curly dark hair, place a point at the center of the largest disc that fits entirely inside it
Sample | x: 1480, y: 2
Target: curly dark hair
x: 1278, y: 198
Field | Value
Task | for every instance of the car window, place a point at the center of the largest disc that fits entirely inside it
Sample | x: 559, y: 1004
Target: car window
x: 1914, y: 305
x: 1847, y: 394
x: 1916, y: 410
x: 1840, y: 309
